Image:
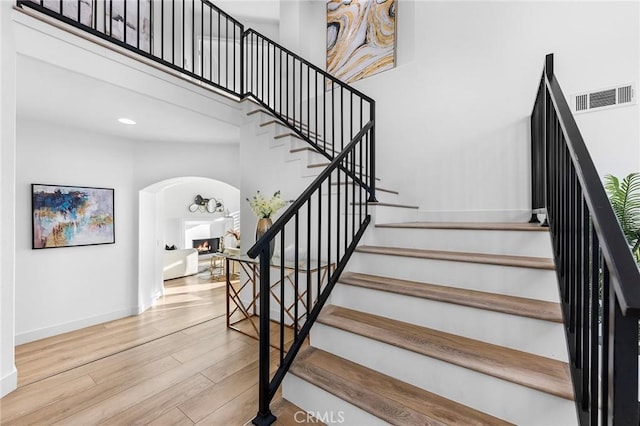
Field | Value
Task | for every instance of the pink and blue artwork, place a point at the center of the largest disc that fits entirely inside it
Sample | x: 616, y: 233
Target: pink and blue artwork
x: 66, y: 216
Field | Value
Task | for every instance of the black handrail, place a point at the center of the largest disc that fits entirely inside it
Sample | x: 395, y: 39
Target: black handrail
x: 597, y: 274
x: 166, y: 34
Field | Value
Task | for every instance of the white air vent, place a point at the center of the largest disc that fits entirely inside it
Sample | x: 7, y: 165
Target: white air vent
x: 610, y: 97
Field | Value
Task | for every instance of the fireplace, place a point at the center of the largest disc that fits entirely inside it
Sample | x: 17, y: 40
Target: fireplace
x: 206, y: 245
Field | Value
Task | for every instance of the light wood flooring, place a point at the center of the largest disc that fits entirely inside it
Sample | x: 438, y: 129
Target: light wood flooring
x: 176, y: 364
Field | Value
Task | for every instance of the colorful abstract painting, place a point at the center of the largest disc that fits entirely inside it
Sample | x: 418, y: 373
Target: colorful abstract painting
x: 361, y: 38
x: 65, y: 216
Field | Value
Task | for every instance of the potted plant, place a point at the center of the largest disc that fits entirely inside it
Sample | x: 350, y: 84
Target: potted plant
x: 625, y: 199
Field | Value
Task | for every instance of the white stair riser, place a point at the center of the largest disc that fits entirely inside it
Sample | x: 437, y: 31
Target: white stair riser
x: 500, y: 398
x: 523, y: 282
x: 325, y: 406
x: 383, y: 197
x: 306, y: 171
x: 305, y: 156
x: 526, y: 334
x: 387, y: 214
x: 296, y: 142
x: 264, y: 135
x: 516, y: 243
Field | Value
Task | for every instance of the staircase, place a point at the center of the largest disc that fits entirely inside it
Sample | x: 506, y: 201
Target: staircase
x: 441, y: 323
x: 428, y: 323
x: 457, y: 323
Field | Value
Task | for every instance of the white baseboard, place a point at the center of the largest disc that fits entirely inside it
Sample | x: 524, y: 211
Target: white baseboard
x: 149, y: 303
x: 30, y: 336
x: 9, y: 383
x: 474, y: 215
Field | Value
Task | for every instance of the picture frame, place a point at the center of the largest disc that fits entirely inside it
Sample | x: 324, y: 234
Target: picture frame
x: 361, y: 38
x: 71, y: 216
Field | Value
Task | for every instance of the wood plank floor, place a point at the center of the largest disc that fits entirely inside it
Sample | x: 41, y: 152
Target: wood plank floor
x: 176, y: 364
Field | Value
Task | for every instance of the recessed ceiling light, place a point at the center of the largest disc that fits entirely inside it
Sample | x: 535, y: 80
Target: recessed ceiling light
x: 126, y: 121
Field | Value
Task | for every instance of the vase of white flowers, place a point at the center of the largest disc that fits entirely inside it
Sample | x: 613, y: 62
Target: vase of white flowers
x: 263, y: 209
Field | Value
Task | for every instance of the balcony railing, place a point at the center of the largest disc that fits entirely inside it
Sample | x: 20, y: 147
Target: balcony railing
x: 193, y: 37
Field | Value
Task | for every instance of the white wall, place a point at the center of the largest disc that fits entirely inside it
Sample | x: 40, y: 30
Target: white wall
x: 261, y: 15
x: 455, y: 110
x: 150, y: 249
x: 67, y: 288
x: 179, y: 196
x: 8, y: 374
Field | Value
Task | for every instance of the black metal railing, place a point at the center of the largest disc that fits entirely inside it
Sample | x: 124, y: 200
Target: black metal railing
x: 319, y: 231
x: 192, y: 37
x: 319, y: 108
x: 323, y: 227
x: 598, y: 277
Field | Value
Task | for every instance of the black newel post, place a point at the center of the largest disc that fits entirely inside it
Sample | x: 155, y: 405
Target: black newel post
x: 264, y: 416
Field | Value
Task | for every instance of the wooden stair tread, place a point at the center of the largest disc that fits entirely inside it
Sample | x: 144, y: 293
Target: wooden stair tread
x: 382, y: 204
x: 383, y: 396
x: 488, y: 226
x: 537, y: 309
x: 390, y: 191
x: 533, y: 371
x: 490, y: 259
x: 305, y: 148
x: 318, y: 140
x: 285, y: 411
x: 290, y: 120
x: 325, y: 164
x: 304, y: 129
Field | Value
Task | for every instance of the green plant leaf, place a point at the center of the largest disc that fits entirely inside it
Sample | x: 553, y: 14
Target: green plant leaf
x: 625, y: 200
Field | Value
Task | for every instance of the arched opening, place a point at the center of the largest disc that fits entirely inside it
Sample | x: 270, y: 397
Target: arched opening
x: 166, y: 221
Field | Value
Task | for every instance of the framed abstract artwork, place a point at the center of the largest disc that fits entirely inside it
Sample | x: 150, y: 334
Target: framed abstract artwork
x: 361, y: 38
x: 67, y: 216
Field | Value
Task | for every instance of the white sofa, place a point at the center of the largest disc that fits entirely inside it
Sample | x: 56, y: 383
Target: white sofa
x: 180, y: 263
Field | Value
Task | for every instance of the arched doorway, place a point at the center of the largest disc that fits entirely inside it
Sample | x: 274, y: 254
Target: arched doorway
x: 164, y: 217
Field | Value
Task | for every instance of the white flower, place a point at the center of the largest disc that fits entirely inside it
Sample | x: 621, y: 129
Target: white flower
x: 264, y: 208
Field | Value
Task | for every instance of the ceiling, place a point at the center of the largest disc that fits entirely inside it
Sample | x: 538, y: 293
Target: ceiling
x: 49, y: 93
x: 267, y: 10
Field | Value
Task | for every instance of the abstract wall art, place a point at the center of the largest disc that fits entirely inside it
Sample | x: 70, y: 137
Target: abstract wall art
x: 69, y: 8
x: 66, y: 216
x: 361, y: 38
x: 129, y: 21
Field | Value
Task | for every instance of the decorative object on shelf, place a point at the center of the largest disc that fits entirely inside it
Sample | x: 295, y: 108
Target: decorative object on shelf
x: 263, y: 209
x: 211, y: 205
x: 264, y: 224
x: 233, y: 238
x: 67, y: 216
x: 221, y: 245
x: 361, y: 38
